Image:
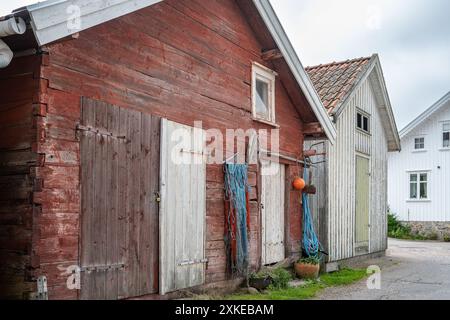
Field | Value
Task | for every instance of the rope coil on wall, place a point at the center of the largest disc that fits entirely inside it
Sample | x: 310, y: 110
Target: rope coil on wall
x: 311, y: 244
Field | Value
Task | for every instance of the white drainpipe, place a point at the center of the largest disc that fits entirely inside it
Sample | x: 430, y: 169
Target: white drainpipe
x: 9, y: 27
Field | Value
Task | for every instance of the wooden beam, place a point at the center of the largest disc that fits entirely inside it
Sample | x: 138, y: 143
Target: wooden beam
x: 273, y: 54
x: 313, y: 128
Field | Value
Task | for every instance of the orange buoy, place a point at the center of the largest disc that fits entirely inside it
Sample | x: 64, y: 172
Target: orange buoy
x: 299, y: 183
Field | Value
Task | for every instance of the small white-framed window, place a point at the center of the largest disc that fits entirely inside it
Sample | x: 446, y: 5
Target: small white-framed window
x: 418, y: 186
x: 446, y: 135
x: 362, y: 122
x: 419, y: 143
x: 263, y: 93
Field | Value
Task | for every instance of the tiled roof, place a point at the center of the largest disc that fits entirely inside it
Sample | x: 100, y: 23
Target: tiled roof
x: 334, y: 81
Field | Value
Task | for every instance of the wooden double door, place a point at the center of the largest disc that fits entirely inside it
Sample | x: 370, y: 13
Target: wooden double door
x: 142, y: 213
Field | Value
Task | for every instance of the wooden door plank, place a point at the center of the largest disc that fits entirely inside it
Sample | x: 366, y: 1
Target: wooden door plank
x: 154, y: 191
x: 134, y: 192
x: 112, y: 203
x: 87, y: 195
x: 124, y: 159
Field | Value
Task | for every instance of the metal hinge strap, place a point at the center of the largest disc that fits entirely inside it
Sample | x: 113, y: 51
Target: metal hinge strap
x: 102, y: 268
x: 93, y: 130
x: 192, y: 262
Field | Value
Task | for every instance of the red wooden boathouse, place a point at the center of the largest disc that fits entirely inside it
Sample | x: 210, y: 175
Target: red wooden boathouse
x: 85, y: 112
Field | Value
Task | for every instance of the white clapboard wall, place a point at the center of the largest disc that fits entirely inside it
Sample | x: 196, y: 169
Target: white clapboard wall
x: 182, y: 207
x: 272, y: 212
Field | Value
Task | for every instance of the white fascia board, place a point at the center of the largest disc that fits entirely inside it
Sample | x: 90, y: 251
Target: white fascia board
x: 51, y: 20
x: 427, y: 113
x: 284, y: 45
x: 387, y: 105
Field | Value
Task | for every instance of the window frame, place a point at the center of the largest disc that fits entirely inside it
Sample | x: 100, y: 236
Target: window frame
x: 418, y: 185
x: 363, y: 115
x: 444, y: 131
x: 264, y: 74
x: 415, y: 144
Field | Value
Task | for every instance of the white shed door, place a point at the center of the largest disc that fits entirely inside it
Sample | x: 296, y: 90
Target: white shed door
x: 182, y: 207
x: 272, y: 212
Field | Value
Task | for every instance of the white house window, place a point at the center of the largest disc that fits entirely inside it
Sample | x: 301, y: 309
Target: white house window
x: 263, y: 93
x: 419, y: 143
x: 362, y: 122
x: 446, y: 135
x: 418, y: 186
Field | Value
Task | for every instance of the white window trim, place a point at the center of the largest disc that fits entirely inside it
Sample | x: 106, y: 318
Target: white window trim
x: 442, y: 136
x: 418, y: 173
x: 369, y: 121
x: 424, y: 144
x: 268, y: 75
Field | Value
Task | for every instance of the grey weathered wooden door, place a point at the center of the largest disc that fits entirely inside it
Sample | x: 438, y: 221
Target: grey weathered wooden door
x: 272, y: 212
x: 183, y: 207
x: 119, y: 209
x: 362, y: 205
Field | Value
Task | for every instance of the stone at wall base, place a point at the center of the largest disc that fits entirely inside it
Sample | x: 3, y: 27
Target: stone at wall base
x: 434, y: 230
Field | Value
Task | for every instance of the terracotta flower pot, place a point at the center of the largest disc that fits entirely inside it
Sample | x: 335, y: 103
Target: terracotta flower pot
x: 306, y: 270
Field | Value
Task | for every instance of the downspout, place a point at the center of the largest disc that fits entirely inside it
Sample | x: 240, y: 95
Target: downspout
x: 9, y: 27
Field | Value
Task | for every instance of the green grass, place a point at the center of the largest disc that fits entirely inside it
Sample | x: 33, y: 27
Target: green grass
x: 310, y: 289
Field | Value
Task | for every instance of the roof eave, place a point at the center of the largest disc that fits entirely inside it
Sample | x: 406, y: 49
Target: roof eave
x: 49, y: 19
x: 284, y: 45
x: 424, y: 115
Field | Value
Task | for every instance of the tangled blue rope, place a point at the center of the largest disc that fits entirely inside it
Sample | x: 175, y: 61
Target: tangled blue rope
x: 311, y: 244
x: 236, y: 186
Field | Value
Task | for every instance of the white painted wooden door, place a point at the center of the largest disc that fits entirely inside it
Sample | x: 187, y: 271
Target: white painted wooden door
x: 272, y: 212
x: 182, y: 207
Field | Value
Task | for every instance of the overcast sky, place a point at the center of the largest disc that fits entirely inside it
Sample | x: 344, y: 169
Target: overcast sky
x: 412, y: 38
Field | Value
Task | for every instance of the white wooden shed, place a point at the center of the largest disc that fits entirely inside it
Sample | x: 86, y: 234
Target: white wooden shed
x: 350, y: 208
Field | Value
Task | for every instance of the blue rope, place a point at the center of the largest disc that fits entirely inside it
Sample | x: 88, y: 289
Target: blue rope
x: 311, y: 244
x: 236, y: 186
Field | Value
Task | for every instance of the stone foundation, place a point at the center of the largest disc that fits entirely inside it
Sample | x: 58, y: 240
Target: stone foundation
x: 430, y: 229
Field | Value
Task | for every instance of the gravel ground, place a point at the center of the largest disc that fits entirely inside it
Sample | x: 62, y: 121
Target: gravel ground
x: 411, y: 270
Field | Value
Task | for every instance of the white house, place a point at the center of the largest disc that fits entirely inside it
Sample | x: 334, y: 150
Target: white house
x: 419, y: 175
x: 350, y: 209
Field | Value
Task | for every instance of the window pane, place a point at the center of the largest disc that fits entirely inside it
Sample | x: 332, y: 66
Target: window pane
x: 447, y: 126
x: 366, y: 124
x: 419, y: 143
x: 262, y: 98
x: 413, y: 190
x: 423, y: 191
x: 446, y: 138
x: 359, y: 120
x: 423, y: 177
x: 413, y: 178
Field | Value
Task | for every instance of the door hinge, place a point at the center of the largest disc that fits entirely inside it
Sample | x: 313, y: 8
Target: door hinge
x: 89, y: 269
x: 42, y: 293
x: 192, y: 262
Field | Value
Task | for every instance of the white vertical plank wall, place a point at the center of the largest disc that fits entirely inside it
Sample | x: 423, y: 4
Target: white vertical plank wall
x: 435, y: 160
x: 338, y: 176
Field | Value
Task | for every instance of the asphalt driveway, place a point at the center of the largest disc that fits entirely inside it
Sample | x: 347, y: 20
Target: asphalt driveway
x: 410, y: 270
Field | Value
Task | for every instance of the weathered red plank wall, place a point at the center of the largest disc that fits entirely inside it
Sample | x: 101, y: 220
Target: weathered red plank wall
x: 183, y: 60
x: 20, y: 115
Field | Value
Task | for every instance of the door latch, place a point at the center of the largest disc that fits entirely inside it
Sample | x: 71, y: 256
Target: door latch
x: 157, y: 197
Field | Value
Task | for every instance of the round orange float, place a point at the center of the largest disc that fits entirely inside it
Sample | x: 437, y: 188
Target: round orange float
x: 299, y: 183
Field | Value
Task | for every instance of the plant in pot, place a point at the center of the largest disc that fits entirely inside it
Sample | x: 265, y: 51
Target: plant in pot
x: 260, y: 280
x: 307, y: 268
